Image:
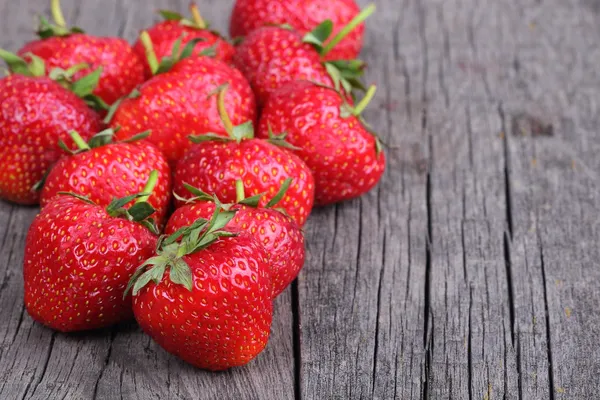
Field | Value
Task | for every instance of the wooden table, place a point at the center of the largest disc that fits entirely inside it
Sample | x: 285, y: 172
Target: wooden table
x: 471, y: 272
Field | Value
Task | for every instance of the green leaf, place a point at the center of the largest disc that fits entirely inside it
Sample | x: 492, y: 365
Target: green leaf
x: 115, y: 208
x: 279, y: 139
x: 277, y: 198
x: 150, y: 224
x: 142, y: 281
x: 101, y: 138
x: 189, y: 48
x: 86, y: 85
x: 77, y: 196
x: 209, y: 51
x: 170, y: 15
x: 319, y: 35
x: 243, y: 131
x: 199, y: 194
x: 141, y: 211
x: 209, y: 137
x: 15, y: 63
x: 335, y: 75
x: 181, y: 274
x: 95, y: 102
x: 37, y: 67
x: 137, y: 137
x: 200, y: 222
x: 252, y: 201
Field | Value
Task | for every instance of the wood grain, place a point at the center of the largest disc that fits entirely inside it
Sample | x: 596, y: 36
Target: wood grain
x: 471, y: 272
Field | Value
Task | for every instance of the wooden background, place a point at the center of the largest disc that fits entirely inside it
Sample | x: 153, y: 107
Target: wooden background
x: 471, y: 272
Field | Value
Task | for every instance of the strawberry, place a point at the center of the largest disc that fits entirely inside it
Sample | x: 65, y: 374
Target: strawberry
x: 215, y: 163
x: 60, y: 47
x: 213, y: 308
x: 271, y: 56
x: 35, y: 112
x: 164, y: 35
x: 178, y: 101
x: 78, y: 259
x: 303, y: 16
x: 102, y: 170
x: 343, y: 155
x: 279, y: 234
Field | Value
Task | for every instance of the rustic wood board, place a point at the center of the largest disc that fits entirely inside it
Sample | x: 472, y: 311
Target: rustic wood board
x: 471, y: 272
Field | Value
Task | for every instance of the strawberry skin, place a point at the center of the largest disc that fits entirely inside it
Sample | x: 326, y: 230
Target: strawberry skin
x: 112, y: 171
x: 122, y: 69
x: 178, y: 103
x: 303, y: 16
x: 214, y: 166
x: 225, y: 320
x: 340, y: 152
x: 164, y: 34
x: 77, y: 263
x: 271, y: 56
x: 34, y: 114
x: 281, y: 237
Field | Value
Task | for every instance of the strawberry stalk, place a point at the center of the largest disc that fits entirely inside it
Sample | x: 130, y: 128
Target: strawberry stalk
x: 360, y: 18
x: 360, y: 107
x: 239, y: 191
x: 149, y: 188
x: 223, y: 111
x: 79, y: 142
x: 57, y: 14
x: 198, y: 20
x: 150, y: 53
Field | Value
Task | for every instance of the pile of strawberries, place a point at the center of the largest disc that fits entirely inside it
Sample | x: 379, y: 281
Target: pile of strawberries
x: 175, y: 175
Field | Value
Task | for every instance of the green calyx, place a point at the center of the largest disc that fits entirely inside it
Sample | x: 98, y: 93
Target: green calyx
x: 347, y: 111
x: 279, y: 139
x: 167, y: 63
x: 100, y: 139
x: 344, y: 73
x: 59, y: 28
x: 141, y: 210
x: 82, y: 87
x: 236, y: 133
x: 197, y: 22
x: 171, y: 250
x: 135, y: 93
x: 241, y: 198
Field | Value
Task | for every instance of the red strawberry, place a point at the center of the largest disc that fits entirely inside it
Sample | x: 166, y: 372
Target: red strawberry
x: 303, y: 16
x: 215, y: 163
x: 271, y: 56
x: 78, y: 260
x: 61, y: 47
x: 214, y: 308
x: 35, y: 112
x: 178, y: 102
x: 103, y: 171
x: 164, y: 35
x: 279, y: 234
x: 344, y: 157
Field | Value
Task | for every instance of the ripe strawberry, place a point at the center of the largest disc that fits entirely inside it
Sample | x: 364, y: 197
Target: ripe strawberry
x: 79, y: 258
x: 214, y: 307
x: 35, y: 112
x: 178, y: 102
x: 279, y: 234
x: 215, y: 163
x: 61, y: 47
x: 102, y: 171
x: 164, y: 35
x: 303, y: 16
x: 271, y: 56
x: 343, y: 155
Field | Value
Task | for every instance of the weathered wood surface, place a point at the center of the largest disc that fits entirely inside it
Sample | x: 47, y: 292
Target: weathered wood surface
x: 472, y: 272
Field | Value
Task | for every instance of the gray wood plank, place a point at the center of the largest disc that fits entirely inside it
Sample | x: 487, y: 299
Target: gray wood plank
x: 121, y: 362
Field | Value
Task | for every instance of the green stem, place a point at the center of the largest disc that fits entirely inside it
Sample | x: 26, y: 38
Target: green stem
x: 198, y: 20
x: 150, y: 54
x: 239, y: 191
x: 365, y: 101
x: 57, y: 14
x: 364, y: 14
x: 150, y: 185
x: 223, y: 112
x: 81, y: 144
